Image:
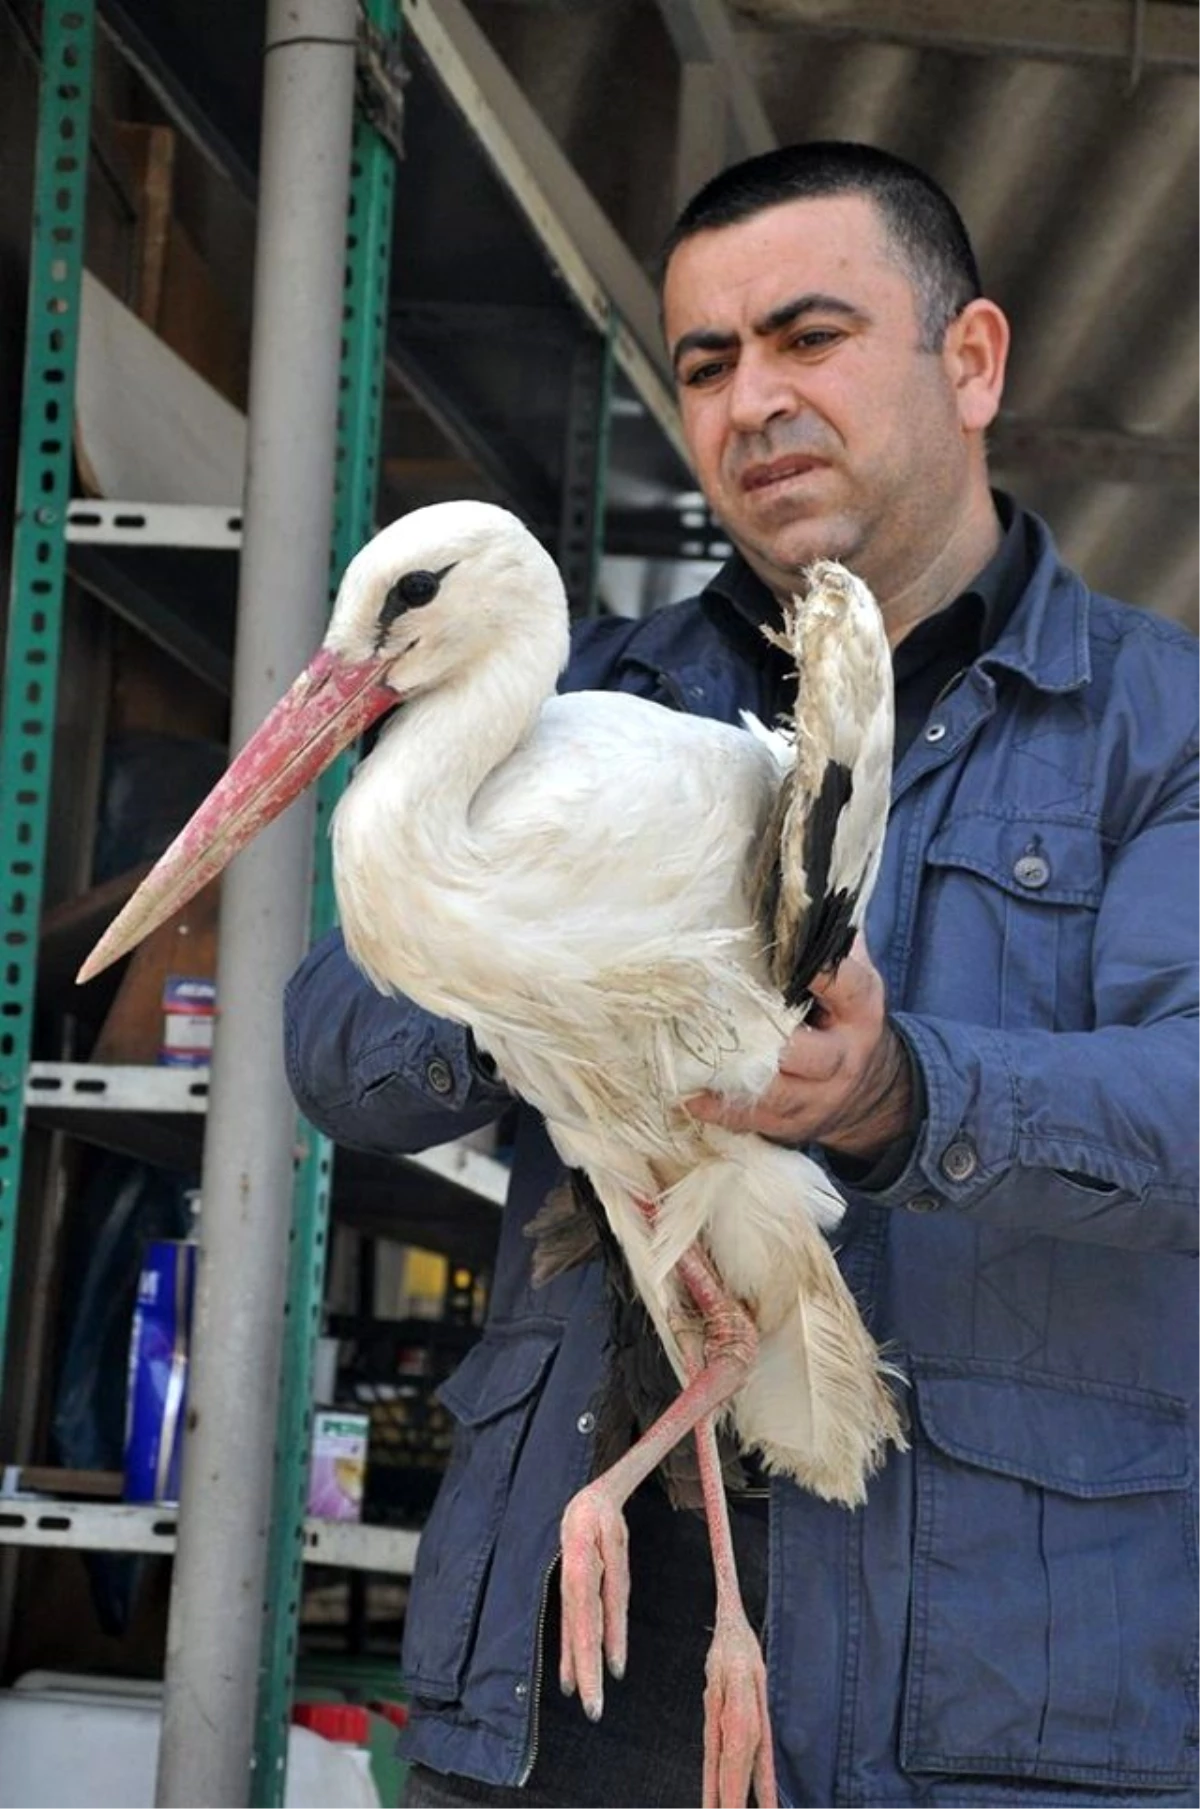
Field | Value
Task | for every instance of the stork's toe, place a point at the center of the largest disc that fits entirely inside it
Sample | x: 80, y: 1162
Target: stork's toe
x: 737, y: 1729
x: 595, y: 1595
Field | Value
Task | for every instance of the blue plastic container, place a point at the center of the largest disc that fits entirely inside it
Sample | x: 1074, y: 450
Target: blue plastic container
x: 158, y: 1364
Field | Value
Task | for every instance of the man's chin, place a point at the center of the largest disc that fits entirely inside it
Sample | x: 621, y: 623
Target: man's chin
x: 781, y: 559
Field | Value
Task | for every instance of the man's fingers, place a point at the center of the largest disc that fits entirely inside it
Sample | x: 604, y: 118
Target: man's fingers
x: 851, y: 992
x: 813, y: 1056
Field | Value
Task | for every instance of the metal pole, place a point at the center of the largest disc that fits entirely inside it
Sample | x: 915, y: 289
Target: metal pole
x: 364, y: 330
x: 217, y: 1597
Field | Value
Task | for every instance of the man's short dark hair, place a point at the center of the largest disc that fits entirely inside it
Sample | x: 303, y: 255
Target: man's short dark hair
x: 923, y: 226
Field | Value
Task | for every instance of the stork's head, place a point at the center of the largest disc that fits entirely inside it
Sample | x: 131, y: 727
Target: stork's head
x: 436, y: 591
x: 429, y: 597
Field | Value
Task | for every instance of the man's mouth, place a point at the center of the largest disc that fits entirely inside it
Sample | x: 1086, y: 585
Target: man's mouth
x: 761, y: 477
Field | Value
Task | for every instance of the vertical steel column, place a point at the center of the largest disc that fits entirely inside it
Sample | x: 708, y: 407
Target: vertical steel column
x: 585, y: 468
x: 218, y: 1591
x: 39, y: 563
x: 368, y: 262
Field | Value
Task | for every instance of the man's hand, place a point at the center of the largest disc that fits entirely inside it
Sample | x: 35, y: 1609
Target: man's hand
x: 844, y: 1078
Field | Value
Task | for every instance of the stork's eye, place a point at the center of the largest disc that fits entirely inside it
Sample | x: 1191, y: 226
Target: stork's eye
x: 410, y: 592
x: 414, y: 589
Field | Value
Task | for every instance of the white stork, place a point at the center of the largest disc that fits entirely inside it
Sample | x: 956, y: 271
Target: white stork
x: 625, y: 904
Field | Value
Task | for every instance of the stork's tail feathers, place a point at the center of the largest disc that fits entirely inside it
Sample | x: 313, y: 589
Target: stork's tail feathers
x: 817, y: 1405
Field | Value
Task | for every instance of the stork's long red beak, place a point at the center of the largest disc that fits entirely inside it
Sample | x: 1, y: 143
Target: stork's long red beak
x: 330, y: 704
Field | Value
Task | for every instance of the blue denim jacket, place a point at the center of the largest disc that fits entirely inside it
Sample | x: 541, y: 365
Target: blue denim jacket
x: 1011, y: 1617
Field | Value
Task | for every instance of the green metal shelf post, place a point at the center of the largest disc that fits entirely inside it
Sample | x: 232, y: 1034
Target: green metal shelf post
x: 368, y: 262
x: 39, y: 564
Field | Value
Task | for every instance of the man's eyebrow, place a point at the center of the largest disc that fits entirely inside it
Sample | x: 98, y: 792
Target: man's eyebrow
x: 813, y: 303
x: 711, y: 339
x: 701, y: 339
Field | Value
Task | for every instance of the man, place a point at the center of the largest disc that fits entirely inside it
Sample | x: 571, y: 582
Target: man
x: 1004, y: 1088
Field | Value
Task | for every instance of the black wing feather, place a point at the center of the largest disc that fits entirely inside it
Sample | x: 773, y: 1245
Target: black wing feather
x: 828, y: 929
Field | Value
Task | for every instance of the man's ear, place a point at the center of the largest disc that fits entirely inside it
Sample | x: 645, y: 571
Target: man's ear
x: 976, y: 354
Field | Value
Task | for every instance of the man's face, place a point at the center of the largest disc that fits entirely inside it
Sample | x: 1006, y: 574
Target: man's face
x: 817, y: 426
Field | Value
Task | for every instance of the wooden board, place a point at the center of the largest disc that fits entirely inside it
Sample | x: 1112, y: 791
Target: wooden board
x: 92, y: 1485
x: 150, y: 154
x: 185, y: 945
x: 147, y: 428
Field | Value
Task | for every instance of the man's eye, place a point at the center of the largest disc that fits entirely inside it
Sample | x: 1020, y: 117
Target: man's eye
x: 815, y: 339
x: 700, y: 374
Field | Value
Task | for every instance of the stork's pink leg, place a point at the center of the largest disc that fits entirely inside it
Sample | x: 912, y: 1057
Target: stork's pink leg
x: 595, y: 1576
x: 594, y: 1534
x: 737, y: 1727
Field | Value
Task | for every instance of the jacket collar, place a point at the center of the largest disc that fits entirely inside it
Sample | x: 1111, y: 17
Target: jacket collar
x: 1044, y: 640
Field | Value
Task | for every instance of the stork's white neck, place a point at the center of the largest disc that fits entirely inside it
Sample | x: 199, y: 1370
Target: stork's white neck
x: 442, y: 746
x: 402, y: 833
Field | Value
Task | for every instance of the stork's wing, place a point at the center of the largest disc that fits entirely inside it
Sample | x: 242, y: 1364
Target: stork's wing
x: 821, y: 854
x: 620, y: 822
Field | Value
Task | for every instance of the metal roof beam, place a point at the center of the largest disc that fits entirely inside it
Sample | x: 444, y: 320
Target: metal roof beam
x: 1155, y: 35
x: 702, y: 34
x: 1093, y: 454
x: 590, y: 255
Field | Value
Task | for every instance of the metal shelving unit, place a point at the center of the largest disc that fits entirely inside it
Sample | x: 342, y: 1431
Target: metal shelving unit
x: 47, y: 521
x: 100, y: 542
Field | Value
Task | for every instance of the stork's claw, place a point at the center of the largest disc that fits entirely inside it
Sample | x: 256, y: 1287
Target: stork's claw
x: 737, y: 1730
x: 595, y: 1594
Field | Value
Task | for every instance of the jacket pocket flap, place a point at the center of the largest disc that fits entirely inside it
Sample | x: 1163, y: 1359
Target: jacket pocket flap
x: 1085, y: 1439
x: 498, y: 1374
x: 1036, y: 858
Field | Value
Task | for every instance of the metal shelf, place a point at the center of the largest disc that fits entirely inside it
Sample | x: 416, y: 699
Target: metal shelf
x: 117, y: 1087
x: 137, y: 1109
x: 129, y: 1527
x: 200, y: 527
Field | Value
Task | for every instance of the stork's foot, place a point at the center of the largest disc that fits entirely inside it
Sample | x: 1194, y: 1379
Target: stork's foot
x: 595, y: 1594
x: 737, y: 1730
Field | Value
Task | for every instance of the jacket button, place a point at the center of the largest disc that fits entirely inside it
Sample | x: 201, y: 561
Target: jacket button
x: 924, y: 1202
x: 959, y: 1160
x: 440, y: 1075
x: 936, y: 731
x: 520, y: 1690
x: 1031, y: 871
x: 586, y: 1423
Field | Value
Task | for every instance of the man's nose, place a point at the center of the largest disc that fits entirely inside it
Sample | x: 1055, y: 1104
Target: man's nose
x: 762, y: 391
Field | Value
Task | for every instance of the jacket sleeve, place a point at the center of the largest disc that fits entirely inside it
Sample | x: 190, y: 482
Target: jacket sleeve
x: 1087, y: 1135
x: 376, y: 1072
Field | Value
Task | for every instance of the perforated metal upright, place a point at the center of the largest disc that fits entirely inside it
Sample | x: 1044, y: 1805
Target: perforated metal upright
x: 35, y: 606
x: 368, y: 262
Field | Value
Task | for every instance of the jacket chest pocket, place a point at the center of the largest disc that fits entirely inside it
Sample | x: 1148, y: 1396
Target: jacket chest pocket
x: 492, y: 1396
x: 1008, y: 914
x: 1053, y: 1629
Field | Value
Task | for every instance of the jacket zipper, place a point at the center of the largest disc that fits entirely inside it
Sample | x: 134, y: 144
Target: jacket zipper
x: 538, y: 1657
